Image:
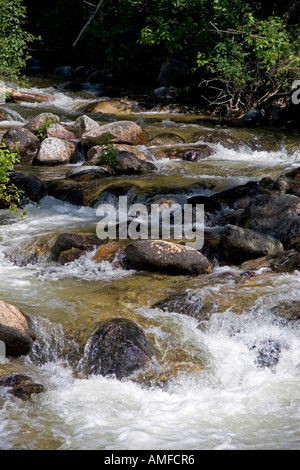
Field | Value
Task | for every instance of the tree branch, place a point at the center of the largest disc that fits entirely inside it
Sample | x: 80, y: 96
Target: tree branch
x: 233, y: 31
x: 91, y: 18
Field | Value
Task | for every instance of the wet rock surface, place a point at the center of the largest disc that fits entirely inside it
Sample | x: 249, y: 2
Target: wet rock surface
x: 117, y: 347
x: 21, y: 141
x: 162, y: 256
x: 15, y: 330
x: 191, y: 303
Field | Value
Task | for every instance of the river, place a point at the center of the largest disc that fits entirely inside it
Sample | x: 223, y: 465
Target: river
x: 213, y: 395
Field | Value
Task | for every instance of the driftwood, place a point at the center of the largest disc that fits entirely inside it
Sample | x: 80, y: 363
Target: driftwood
x: 29, y: 97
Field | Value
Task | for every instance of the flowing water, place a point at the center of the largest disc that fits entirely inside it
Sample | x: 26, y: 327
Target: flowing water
x: 206, y: 390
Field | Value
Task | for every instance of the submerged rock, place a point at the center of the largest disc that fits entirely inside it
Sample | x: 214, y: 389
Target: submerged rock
x: 268, y: 353
x: 88, y: 172
x: 186, y: 152
x: 3, y: 115
x: 167, y: 257
x: 166, y: 138
x: 117, y: 107
x: 15, y: 330
x: 117, y: 347
x: 78, y: 242
x: 284, y: 262
x: 25, y: 391
x: 289, y: 309
x: 21, y: 386
x: 189, y: 303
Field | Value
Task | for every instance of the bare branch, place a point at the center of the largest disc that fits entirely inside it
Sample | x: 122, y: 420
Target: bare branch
x: 91, y: 18
x: 234, y: 32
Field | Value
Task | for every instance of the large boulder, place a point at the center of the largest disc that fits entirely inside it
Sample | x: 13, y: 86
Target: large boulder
x: 54, y: 152
x: 122, y: 132
x: 117, y: 347
x: 277, y: 215
x: 15, y: 330
x: 41, y: 121
x: 21, y: 141
x: 239, y: 244
x: 167, y: 257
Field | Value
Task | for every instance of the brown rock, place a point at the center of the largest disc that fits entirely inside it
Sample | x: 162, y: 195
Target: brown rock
x: 35, y: 124
x: 122, y: 132
x: 59, y: 132
x: 15, y: 330
x: 163, y: 256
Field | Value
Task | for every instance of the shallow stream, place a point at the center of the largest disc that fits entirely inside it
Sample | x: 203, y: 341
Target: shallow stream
x: 213, y: 395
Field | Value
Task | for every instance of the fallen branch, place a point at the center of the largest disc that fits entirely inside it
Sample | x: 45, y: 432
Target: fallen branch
x: 273, y: 96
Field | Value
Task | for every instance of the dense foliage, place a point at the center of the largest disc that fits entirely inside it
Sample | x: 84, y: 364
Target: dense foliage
x: 14, y: 39
x: 10, y: 195
x: 237, y: 40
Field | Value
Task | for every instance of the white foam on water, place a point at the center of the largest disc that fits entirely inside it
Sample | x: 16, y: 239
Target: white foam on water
x: 259, y: 158
x: 231, y: 405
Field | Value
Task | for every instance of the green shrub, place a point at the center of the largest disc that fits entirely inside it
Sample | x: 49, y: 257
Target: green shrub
x: 108, y: 153
x: 10, y: 195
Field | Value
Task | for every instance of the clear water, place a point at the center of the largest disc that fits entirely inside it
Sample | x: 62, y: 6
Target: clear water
x: 214, y: 394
